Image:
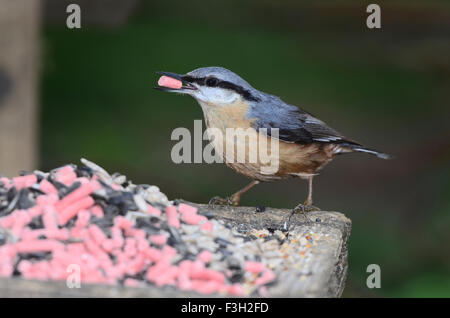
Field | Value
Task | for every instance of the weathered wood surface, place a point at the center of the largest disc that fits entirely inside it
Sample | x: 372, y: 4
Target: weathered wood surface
x: 322, y: 275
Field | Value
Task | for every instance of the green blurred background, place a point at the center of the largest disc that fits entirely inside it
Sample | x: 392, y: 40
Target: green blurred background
x: 387, y: 88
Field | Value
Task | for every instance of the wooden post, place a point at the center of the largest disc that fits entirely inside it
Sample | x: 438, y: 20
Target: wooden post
x: 20, y: 23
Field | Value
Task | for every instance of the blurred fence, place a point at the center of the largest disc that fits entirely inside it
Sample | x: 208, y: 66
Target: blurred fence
x: 19, y: 65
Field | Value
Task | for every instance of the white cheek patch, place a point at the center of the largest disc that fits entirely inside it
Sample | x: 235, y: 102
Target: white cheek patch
x: 218, y: 95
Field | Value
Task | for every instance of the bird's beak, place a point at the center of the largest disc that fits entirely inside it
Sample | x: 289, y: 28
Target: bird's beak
x: 172, y: 82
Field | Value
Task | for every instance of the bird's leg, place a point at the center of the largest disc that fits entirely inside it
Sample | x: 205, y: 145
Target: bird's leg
x: 307, y: 205
x: 302, y: 208
x: 235, y: 198
x: 309, y: 200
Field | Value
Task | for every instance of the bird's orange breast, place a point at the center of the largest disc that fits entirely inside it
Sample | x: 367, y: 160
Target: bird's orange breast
x: 227, y: 116
x: 293, y: 159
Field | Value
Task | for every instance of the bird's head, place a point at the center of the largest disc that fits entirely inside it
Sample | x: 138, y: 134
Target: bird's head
x: 210, y: 85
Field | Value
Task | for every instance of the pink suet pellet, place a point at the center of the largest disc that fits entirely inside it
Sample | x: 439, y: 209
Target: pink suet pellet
x: 158, y: 239
x: 254, y: 267
x: 207, y: 226
x: 24, y: 181
x: 82, y: 192
x: 66, y: 175
x: 172, y: 217
x: 97, y: 211
x: 169, y: 82
x: 183, y: 208
x: 153, y: 211
x: 205, y: 256
x: 70, y: 211
x: 47, y: 187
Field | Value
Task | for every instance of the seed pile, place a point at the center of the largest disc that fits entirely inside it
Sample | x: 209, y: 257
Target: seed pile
x: 121, y: 233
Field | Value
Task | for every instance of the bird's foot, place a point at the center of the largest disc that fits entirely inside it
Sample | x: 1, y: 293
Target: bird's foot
x: 218, y: 201
x: 233, y: 201
x: 302, y: 209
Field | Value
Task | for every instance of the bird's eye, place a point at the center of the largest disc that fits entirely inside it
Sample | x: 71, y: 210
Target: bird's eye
x: 212, y: 81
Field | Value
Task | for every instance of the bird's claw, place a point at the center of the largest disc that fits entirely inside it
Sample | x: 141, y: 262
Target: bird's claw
x: 302, y: 208
x: 228, y: 201
x: 217, y: 201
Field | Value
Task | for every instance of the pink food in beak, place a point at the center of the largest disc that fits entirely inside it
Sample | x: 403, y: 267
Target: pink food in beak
x: 169, y: 82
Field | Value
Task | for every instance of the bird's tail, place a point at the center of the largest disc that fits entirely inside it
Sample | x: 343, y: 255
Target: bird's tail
x: 380, y: 155
x: 359, y: 148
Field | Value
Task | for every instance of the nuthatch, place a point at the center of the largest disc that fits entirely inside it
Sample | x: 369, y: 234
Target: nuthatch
x: 306, y: 144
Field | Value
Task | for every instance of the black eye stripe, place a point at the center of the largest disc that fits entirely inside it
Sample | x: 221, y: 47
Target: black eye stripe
x: 238, y: 89
x: 223, y: 84
x: 190, y: 79
x: 211, y: 81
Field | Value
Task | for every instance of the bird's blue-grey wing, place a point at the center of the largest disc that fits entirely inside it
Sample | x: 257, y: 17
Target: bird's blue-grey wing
x: 294, y: 124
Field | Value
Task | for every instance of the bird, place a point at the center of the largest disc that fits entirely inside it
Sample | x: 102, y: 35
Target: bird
x: 305, y: 143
